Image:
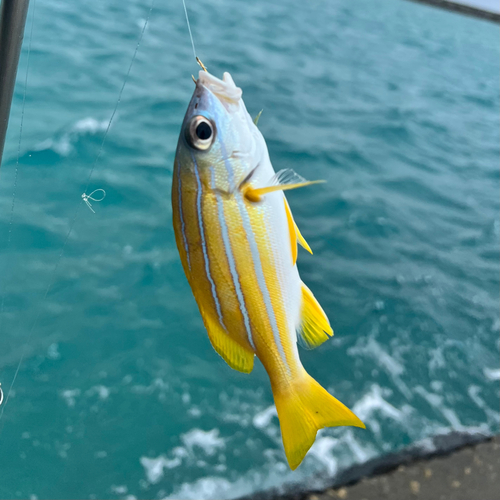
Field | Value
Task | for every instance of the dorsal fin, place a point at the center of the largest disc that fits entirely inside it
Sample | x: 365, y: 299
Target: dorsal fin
x: 314, y: 327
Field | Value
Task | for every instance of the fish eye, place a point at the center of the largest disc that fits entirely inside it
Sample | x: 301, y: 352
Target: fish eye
x: 200, y: 133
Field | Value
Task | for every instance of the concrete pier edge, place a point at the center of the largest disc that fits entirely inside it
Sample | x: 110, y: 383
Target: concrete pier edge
x: 399, y: 475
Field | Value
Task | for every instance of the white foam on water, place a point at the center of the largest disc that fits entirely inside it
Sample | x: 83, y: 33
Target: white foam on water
x: 155, y: 467
x: 53, y: 351
x: 70, y: 396
x: 372, y: 405
x: 321, y: 450
x: 90, y: 125
x: 63, y: 143
x: 492, y: 373
x: 263, y: 418
x: 208, y: 441
x: 372, y: 349
x: 474, y: 391
x: 219, y: 488
x: 436, y: 360
x: 437, y: 385
x: 101, y: 390
x: 194, y: 412
x: 373, y: 401
x: 360, y: 453
x: 195, y: 441
x: 265, y: 422
x: 436, y: 401
x: 157, y: 385
x: 206, y: 488
x: 61, y: 146
x: 180, y: 452
x: 119, y: 489
x: 333, y: 451
x: 326, y: 456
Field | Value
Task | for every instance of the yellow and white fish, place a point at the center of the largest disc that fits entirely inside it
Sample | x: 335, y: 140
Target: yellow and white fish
x: 238, y: 244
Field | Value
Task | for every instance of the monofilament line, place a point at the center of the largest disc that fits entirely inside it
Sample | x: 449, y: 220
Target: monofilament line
x: 72, y: 224
x: 189, y: 28
x: 120, y: 94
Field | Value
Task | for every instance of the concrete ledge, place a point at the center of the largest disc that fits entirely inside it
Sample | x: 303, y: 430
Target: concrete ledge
x: 457, y: 466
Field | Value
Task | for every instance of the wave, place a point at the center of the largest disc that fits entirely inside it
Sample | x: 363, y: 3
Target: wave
x: 63, y: 142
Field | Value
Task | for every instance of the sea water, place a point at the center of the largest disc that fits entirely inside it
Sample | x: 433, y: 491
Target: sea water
x: 120, y: 395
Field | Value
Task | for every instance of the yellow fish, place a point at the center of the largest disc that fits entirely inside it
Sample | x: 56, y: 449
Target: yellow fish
x: 238, y: 244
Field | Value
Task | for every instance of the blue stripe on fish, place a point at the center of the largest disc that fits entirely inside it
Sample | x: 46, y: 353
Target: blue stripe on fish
x: 183, y: 225
x: 230, y: 259
x: 204, y: 243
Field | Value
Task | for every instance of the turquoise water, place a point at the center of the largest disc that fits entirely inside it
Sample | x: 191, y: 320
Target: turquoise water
x: 120, y: 394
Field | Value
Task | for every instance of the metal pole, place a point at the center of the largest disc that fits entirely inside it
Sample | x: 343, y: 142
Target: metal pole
x: 12, y: 21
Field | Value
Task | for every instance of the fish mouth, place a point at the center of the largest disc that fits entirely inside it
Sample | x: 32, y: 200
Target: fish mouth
x: 224, y: 90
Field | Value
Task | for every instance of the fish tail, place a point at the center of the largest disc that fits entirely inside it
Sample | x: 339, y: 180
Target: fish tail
x: 303, y: 408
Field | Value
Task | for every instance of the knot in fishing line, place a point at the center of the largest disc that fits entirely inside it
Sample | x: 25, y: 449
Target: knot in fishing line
x: 87, y: 197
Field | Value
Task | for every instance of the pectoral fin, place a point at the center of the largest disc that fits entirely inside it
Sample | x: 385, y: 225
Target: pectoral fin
x: 301, y: 239
x: 295, y: 234
x: 282, y: 181
x: 292, y: 231
x: 314, y: 327
x: 234, y: 354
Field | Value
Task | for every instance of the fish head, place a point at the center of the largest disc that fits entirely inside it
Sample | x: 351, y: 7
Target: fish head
x: 217, y: 131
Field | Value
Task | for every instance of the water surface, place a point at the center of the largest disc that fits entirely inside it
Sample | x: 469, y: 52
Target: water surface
x: 120, y: 394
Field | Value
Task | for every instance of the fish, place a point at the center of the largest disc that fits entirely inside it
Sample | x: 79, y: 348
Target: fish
x: 237, y: 241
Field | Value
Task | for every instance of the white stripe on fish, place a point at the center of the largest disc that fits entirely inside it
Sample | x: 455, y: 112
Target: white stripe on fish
x: 247, y: 226
x: 230, y: 259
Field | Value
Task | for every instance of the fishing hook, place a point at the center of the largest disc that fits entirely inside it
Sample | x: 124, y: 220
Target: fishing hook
x: 198, y: 60
x: 87, y: 197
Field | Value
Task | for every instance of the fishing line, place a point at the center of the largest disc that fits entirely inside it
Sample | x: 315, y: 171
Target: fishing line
x: 198, y: 60
x: 120, y: 94
x: 85, y: 199
x: 189, y: 29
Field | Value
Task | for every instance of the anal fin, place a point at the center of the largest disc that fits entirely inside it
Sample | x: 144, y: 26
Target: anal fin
x: 238, y: 357
x: 314, y: 327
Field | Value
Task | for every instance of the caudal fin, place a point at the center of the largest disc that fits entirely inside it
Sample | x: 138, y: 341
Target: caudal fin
x: 305, y: 408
